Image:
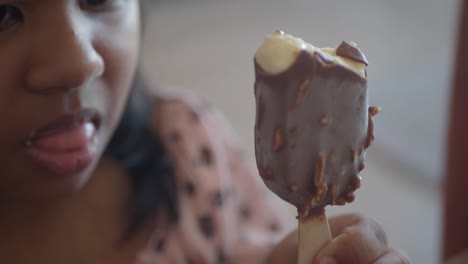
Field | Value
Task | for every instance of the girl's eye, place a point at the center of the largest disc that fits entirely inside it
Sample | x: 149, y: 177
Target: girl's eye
x: 9, y: 16
x: 100, y: 5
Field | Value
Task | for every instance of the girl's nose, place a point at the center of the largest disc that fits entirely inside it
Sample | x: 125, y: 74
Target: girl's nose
x: 65, y: 59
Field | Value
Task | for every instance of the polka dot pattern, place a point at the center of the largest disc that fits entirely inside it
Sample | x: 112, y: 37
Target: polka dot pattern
x: 221, y: 198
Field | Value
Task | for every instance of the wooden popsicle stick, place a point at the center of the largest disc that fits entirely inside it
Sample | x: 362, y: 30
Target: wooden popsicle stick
x: 314, y: 233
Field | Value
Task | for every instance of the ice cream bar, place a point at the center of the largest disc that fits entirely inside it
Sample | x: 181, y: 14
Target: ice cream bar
x: 313, y: 123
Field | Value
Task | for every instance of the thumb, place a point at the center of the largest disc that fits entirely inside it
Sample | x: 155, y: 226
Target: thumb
x: 361, y: 243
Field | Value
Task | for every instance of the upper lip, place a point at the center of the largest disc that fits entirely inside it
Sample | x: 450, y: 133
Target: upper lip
x: 66, y: 122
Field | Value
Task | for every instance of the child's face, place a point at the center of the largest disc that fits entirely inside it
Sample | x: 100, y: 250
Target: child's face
x: 69, y: 60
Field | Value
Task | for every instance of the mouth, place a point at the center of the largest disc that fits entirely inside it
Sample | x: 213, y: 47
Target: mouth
x: 67, y: 145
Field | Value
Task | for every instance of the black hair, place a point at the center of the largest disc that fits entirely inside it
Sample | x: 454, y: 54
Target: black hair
x: 142, y: 154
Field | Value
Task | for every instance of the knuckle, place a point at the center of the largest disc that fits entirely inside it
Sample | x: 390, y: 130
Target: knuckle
x: 402, y: 257
x: 378, y: 231
x: 393, y: 256
x: 352, y: 244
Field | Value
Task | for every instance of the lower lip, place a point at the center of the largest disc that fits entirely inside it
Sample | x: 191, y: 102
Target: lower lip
x: 68, y: 152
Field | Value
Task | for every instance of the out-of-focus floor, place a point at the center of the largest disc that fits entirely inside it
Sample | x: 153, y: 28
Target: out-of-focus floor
x: 207, y: 46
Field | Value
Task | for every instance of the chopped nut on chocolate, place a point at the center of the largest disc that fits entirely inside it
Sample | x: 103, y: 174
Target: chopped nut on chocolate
x: 333, y: 191
x: 321, y: 192
x: 370, y: 132
x: 265, y: 173
x: 320, y: 195
x: 353, y: 154
x: 304, y: 210
x: 350, y: 197
x: 293, y: 188
x: 374, y: 110
x: 278, y: 140
x: 340, y: 201
x: 362, y: 166
x: 356, y: 182
x: 350, y: 51
x: 314, y: 202
x: 319, y: 169
x: 301, y: 93
x: 324, y: 120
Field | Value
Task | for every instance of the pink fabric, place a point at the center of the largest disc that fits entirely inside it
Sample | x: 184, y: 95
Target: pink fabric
x: 225, y: 215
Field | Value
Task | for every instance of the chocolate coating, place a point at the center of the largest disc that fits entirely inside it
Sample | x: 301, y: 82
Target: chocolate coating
x: 314, y: 117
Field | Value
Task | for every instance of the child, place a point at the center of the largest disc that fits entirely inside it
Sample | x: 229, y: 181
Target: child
x: 95, y: 170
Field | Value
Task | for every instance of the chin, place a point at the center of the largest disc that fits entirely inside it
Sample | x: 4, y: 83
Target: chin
x: 59, y: 188
x: 45, y: 188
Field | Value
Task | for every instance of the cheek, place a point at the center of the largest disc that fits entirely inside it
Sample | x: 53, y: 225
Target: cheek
x: 119, y: 45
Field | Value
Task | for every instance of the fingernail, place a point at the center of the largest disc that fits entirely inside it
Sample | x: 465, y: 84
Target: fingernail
x: 327, y: 260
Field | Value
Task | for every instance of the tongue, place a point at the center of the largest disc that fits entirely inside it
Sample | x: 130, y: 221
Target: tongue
x: 73, y: 139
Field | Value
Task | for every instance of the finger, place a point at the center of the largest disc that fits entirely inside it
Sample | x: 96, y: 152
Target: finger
x: 362, y: 242
x: 339, y: 223
x: 393, y: 256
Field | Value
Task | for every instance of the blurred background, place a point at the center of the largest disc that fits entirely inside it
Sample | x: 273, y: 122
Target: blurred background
x: 207, y: 46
